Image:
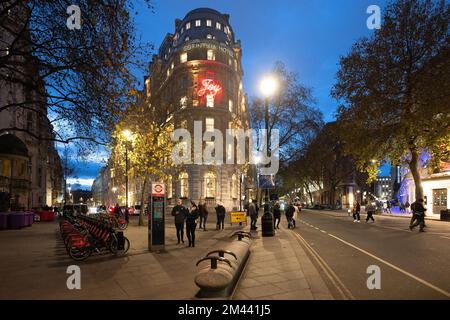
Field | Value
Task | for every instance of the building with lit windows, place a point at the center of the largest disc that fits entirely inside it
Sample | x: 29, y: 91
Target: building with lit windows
x: 198, y: 69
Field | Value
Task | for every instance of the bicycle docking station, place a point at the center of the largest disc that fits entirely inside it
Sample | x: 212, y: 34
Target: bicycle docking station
x: 156, y: 224
x: 221, y: 269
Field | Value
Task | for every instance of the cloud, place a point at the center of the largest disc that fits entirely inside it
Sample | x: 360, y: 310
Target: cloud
x: 84, y: 183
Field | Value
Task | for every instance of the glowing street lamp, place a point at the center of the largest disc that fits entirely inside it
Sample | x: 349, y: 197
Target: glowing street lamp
x: 268, y: 86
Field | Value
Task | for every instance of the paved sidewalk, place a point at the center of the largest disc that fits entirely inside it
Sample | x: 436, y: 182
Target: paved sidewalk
x: 279, y: 269
x: 33, y: 264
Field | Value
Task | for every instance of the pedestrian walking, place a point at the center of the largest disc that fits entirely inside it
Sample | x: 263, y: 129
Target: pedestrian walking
x: 407, y: 205
x: 127, y: 215
x: 220, y: 213
x: 370, y: 208
x: 356, y: 212
x: 253, y: 213
x: 191, y: 223
x: 289, y: 212
x: 179, y: 212
x: 116, y: 211
x: 276, y: 215
x: 203, y: 211
x: 388, y: 207
x: 418, y: 217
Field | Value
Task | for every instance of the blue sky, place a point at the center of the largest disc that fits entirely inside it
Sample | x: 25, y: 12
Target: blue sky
x: 309, y: 36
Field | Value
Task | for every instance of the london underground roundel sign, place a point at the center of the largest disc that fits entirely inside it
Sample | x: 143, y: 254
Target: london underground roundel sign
x: 158, y: 190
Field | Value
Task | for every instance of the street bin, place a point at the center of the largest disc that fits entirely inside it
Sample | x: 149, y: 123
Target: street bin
x: 445, y: 215
x: 267, y: 225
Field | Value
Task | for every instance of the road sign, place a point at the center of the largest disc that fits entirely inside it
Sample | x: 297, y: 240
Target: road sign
x: 158, y: 189
x: 238, y: 216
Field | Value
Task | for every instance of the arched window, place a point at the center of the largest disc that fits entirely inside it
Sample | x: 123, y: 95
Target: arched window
x: 184, y: 185
x: 169, y: 187
x: 234, y: 186
x: 210, y: 185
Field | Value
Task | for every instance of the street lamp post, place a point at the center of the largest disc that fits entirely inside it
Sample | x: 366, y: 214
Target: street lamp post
x: 127, y: 134
x: 268, y: 86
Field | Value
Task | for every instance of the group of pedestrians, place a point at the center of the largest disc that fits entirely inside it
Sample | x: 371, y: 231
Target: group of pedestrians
x: 291, y: 212
x: 191, y: 216
x: 418, y: 213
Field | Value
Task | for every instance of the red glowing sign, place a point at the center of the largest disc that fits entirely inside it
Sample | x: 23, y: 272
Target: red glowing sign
x: 209, y: 87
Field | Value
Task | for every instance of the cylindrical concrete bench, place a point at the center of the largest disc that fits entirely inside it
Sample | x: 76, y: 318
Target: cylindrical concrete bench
x: 220, y: 269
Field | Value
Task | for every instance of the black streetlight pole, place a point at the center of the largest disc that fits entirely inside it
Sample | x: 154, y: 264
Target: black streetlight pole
x: 267, y: 134
x: 126, y: 176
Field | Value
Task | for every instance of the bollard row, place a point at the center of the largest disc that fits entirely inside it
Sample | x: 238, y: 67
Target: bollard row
x: 220, y: 269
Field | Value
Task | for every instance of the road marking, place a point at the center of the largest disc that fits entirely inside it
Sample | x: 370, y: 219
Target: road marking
x: 332, y: 276
x: 424, y: 282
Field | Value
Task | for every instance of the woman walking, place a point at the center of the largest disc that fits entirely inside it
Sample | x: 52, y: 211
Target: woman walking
x: 179, y: 212
x: 277, y: 215
x: 356, y: 211
x: 191, y: 223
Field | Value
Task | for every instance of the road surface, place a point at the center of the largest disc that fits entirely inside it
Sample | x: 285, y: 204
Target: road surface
x: 412, y: 265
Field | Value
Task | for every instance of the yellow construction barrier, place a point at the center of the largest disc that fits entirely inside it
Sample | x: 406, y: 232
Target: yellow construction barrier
x: 238, y: 217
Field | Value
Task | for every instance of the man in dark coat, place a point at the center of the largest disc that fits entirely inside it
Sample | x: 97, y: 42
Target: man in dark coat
x: 418, y: 218
x: 179, y: 212
x: 220, y: 212
x: 290, y: 215
x: 253, y: 213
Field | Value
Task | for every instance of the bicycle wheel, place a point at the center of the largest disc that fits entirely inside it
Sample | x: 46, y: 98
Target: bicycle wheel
x: 79, y: 254
x: 113, y: 247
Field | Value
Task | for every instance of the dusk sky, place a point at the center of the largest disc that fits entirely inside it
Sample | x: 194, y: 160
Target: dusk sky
x: 308, y: 36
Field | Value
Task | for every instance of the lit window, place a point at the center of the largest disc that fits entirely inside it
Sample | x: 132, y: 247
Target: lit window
x: 218, y: 26
x: 230, y: 105
x: 211, y: 55
x: 184, y: 185
x: 209, y: 123
x: 208, y: 23
x: 209, y: 101
x: 183, y: 102
x: 208, y: 36
x: 168, y: 72
x: 172, y: 65
x: 198, y: 23
x: 188, y: 26
x: 183, y: 57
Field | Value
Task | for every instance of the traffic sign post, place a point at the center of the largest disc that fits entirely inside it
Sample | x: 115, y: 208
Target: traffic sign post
x: 156, y: 223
